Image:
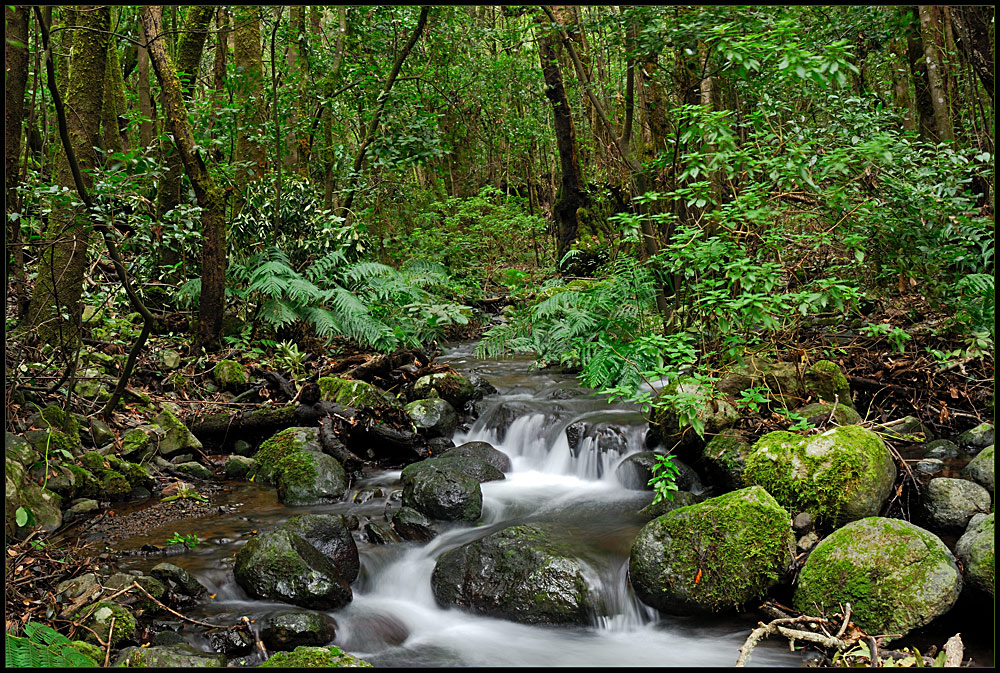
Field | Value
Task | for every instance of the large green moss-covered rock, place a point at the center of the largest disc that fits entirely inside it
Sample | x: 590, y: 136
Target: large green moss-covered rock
x: 293, y: 460
x: 280, y: 565
x: 230, y: 375
x: 179, y: 655
x: 841, y: 475
x: 896, y: 576
x: 177, y: 438
x: 21, y: 491
x: 353, y: 393
x: 442, y: 492
x: 724, y: 459
x: 976, y: 550
x: 315, y: 657
x: 518, y: 573
x: 820, y: 412
x: 110, y: 621
x: 716, y: 555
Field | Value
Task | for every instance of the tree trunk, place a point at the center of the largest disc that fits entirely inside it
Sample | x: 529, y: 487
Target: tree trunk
x: 329, y: 81
x: 974, y: 25
x: 918, y: 69
x: 929, y: 26
x: 54, y: 312
x: 570, y: 195
x: 213, y: 224
x: 15, y: 83
x: 147, y: 126
x: 219, y: 71
x: 901, y: 86
x: 250, y: 71
x: 113, y: 121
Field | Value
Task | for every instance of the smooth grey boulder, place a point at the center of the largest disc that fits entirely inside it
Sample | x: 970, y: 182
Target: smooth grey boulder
x: 981, y: 469
x: 975, y: 549
x: 896, y: 576
x: 279, y: 565
x: 714, y: 556
x: 518, y: 573
x: 948, y: 504
x: 288, y: 630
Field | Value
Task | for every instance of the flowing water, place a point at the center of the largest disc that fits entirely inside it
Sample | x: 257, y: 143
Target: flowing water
x: 394, y: 619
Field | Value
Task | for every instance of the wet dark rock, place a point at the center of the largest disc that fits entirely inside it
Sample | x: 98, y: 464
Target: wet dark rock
x: 176, y: 576
x: 637, y: 469
x: 976, y: 439
x: 930, y: 466
x: 288, y: 630
x: 478, y: 469
x: 330, y: 534
x: 436, y: 417
x: 366, y: 494
x: 482, y: 387
x: 483, y: 451
x: 679, y: 499
x: 442, y: 492
x: 438, y: 445
x: 280, y: 565
x: 380, y: 532
x: 231, y: 642
x: 605, y: 437
x: 942, y: 449
x: 519, y: 574
x: 412, y: 525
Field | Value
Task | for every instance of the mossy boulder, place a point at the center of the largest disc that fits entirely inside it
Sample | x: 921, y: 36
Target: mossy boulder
x: 52, y: 441
x: 981, y: 470
x: 329, y: 534
x: 21, y: 491
x: 482, y: 451
x: 100, y: 622
x: 141, y: 442
x: 780, y: 381
x: 279, y: 565
x: 54, y: 418
x: 239, y: 467
x: 442, y: 492
x: 434, y: 416
x: 976, y: 439
x: 169, y: 359
x: 949, y: 504
x: 179, y: 579
x: 677, y: 500
x: 841, y: 475
x: 677, y: 404
x: 293, y: 460
x: 714, y: 556
x: 315, y: 657
x: 454, y: 388
x: 896, y: 576
x: 975, y: 549
x: 230, y: 375
x: 353, y: 393
x: 178, y: 655
x: 195, y: 470
x: 819, y: 413
x: 826, y: 382
x: 176, y: 438
x: 724, y: 458
x: 519, y: 573
x: 288, y: 630
x: 20, y: 449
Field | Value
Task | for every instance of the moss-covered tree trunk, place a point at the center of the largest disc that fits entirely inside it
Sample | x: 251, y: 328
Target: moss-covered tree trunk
x: 930, y: 25
x: 209, y: 195
x: 15, y: 83
x: 54, y: 312
x: 114, y: 129
x: 190, y: 46
x: 250, y: 74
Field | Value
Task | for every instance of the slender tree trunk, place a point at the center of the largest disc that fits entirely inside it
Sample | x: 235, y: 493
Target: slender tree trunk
x: 113, y: 120
x: 219, y: 71
x: 250, y: 68
x: 146, y: 126
x: 918, y: 69
x: 332, y: 78
x: 55, y: 309
x: 383, y: 98
x: 929, y: 26
x: 570, y: 198
x: 974, y: 26
x: 15, y: 83
x: 210, y: 197
x: 901, y: 86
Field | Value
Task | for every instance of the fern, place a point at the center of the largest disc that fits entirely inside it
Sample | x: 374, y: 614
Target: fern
x: 43, y: 648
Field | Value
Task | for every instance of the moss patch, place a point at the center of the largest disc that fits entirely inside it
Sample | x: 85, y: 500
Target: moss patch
x: 352, y: 393
x: 230, y: 374
x: 314, y: 657
x: 842, y: 475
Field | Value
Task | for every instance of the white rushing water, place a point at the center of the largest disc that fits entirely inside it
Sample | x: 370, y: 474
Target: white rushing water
x: 395, y: 621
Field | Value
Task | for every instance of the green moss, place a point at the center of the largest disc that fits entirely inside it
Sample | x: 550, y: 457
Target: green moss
x: 230, y: 374
x: 135, y: 441
x: 351, y: 393
x: 718, y: 554
x: 822, y: 474
x: 285, y: 443
x: 826, y: 381
x: 86, y: 483
x: 295, y: 469
x: 135, y: 474
x: 314, y: 657
x: 889, y: 570
x: 100, y: 621
x: 93, y: 461
x: 92, y: 652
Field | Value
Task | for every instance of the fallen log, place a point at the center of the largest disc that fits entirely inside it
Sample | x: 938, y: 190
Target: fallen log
x: 223, y: 428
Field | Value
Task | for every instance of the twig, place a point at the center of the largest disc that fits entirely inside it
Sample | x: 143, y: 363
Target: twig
x: 107, y: 652
x: 257, y: 641
x: 170, y: 610
x: 847, y: 620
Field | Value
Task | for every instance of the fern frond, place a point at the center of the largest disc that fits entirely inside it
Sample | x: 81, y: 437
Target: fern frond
x: 278, y: 312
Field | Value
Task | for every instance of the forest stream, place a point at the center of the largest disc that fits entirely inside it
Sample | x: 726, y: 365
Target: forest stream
x: 394, y: 620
